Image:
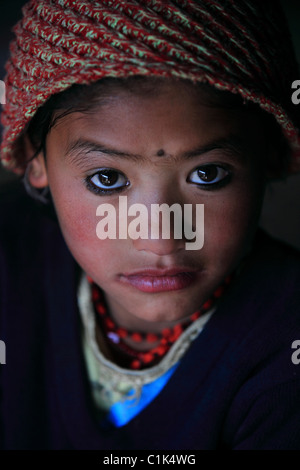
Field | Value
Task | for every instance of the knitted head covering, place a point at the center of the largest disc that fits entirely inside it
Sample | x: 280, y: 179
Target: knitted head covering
x: 240, y: 46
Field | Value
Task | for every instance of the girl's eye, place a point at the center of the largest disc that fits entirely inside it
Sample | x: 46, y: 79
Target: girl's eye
x: 107, y: 180
x: 209, y: 175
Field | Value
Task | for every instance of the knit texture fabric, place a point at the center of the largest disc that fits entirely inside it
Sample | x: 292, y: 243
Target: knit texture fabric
x: 241, y: 46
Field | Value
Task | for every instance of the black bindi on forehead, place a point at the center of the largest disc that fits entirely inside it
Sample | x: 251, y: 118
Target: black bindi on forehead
x: 160, y: 153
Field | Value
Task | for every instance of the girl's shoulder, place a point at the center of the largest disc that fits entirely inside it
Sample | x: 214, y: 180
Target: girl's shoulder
x: 20, y: 215
x: 14, y: 201
x: 270, y: 261
x: 28, y: 232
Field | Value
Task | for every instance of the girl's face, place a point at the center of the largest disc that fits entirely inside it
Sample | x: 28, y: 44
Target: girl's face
x: 169, y: 146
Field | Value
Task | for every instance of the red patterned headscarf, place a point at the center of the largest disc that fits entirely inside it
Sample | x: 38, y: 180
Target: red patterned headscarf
x: 241, y: 46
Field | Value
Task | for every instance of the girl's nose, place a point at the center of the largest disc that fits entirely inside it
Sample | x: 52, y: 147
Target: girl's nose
x: 165, y: 234
x: 160, y: 247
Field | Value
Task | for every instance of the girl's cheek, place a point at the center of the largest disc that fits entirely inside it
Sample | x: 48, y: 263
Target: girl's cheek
x: 80, y: 226
x: 77, y: 218
x: 229, y: 224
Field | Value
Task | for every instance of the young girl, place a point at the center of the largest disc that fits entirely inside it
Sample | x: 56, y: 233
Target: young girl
x: 116, y: 340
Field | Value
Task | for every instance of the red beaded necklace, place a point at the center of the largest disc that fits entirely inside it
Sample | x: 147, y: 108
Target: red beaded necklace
x: 141, y: 359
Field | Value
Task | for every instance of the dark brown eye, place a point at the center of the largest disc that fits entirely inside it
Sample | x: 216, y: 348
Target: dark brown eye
x: 108, y: 179
x: 206, y: 175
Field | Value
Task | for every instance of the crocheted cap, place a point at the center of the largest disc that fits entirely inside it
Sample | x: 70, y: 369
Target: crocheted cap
x: 241, y: 46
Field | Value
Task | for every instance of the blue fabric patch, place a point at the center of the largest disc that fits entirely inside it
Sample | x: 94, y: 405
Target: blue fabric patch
x: 123, y: 411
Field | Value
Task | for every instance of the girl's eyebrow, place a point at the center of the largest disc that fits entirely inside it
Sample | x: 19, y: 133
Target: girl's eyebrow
x: 75, y: 150
x: 232, y: 145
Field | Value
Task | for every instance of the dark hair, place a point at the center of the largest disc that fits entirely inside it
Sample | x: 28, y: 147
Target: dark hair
x: 85, y: 98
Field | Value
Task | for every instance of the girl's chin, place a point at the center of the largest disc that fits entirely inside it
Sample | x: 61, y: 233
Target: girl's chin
x: 153, y: 312
x: 157, y: 318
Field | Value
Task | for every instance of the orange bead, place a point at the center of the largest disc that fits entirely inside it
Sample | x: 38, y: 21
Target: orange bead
x: 148, y: 357
x: 207, y: 304
x: 122, y: 332
x: 100, y: 309
x: 177, y: 329
x: 136, y: 337
x: 195, y: 316
x: 151, y: 338
x: 135, y: 364
x: 160, y: 350
x: 95, y: 295
x: 109, y: 323
x: 166, y: 332
x: 219, y: 292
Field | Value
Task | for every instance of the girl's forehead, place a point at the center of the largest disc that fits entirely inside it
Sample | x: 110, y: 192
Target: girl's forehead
x: 150, y: 95
x: 111, y: 90
x: 172, y: 104
x: 178, y: 121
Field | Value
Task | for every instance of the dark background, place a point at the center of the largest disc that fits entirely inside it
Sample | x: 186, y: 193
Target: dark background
x: 281, y: 210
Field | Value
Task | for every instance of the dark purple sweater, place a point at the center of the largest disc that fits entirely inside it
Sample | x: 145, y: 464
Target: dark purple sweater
x: 236, y: 387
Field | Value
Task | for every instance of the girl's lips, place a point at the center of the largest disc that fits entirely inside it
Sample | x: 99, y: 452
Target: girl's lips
x: 153, y: 280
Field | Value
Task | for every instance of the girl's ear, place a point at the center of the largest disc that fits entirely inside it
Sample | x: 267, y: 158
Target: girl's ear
x: 36, y: 170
